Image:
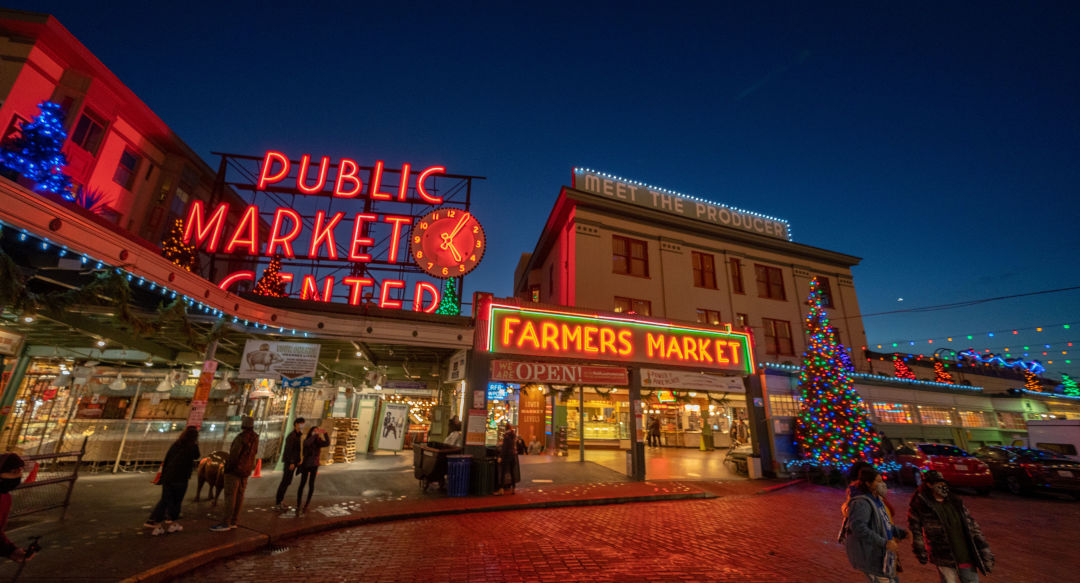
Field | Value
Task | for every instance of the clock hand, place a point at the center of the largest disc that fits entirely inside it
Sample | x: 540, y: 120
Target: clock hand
x: 461, y: 223
x: 448, y: 243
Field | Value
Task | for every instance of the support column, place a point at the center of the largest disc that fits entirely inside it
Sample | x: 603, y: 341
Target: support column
x: 11, y: 390
x: 478, y: 373
x: 760, y: 441
x: 637, y: 459
x: 581, y: 422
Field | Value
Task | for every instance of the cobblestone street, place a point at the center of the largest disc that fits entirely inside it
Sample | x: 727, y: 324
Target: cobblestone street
x: 785, y: 536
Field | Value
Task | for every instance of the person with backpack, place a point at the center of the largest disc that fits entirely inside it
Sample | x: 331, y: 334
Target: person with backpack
x: 868, y: 533
x: 945, y: 534
x: 309, y: 467
x: 176, y: 471
x: 245, y: 448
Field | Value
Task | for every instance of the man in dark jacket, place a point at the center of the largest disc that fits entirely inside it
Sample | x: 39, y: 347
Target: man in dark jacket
x: 240, y: 465
x: 945, y: 534
x: 291, y: 458
x: 11, y: 469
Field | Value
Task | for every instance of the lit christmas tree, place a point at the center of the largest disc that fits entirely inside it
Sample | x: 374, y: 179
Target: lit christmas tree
x: 35, y: 154
x: 1031, y: 381
x: 903, y: 371
x: 449, y: 305
x: 271, y: 284
x: 941, y: 375
x: 833, y: 427
x: 842, y: 351
x: 1068, y: 385
x: 174, y: 249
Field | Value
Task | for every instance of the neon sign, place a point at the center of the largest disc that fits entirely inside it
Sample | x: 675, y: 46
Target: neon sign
x: 537, y: 332
x: 1032, y: 366
x: 339, y: 247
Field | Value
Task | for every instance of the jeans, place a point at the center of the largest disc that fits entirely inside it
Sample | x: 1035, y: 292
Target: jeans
x: 307, y: 476
x: 168, y: 507
x: 234, y: 498
x: 953, y: 575
x: 286, y: 479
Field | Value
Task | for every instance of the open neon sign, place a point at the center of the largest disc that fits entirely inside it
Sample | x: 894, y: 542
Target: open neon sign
x: 337, y: 236
x: 536, y: 332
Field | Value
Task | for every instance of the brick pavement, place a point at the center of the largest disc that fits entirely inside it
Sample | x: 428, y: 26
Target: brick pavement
x: 788, y: 535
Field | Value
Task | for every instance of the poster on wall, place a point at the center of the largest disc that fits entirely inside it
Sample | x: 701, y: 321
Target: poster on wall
x: 10, y: 342
x: 476, y: 429
x: 392, y: 427
x: 267, y: 359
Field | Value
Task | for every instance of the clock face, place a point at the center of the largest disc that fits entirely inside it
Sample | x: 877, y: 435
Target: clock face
x: 447, y: 242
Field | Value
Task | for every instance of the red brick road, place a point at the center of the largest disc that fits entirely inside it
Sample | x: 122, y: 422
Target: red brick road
x: 784, y: 536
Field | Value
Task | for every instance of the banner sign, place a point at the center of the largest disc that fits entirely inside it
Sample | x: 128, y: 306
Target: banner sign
x: 269, y: 359
x: 10, y: 342
x: 666, y: 201
x: 670, y: 379
x: 392, y: 427
x: 202, y: 393
x: 557, y: 374
x: 581, y: 336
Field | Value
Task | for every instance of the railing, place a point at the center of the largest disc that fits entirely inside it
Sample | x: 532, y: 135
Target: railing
x: 53, y: 483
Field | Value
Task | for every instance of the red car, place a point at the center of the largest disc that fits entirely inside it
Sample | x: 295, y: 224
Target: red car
x: 960, y: 468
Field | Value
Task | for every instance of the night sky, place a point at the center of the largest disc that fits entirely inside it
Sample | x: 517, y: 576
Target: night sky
x: 941, y: 145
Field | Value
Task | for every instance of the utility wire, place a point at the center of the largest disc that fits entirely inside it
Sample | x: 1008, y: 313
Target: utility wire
x: 964, y: 303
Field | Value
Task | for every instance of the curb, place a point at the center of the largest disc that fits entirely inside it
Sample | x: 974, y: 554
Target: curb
x: 779, y: 487
x: 258, y: 540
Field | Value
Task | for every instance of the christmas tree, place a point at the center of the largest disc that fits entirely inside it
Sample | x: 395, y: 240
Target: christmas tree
x: 35, y: 154
x: 1031, y: 381
x: 842, y: 351
x: 833, y: 427
x: 1068, y: 385
x: 940, y: 374
x: 174, y: 249
x: 903, y: 371
x: 448, y: 304
x: 271, y: 284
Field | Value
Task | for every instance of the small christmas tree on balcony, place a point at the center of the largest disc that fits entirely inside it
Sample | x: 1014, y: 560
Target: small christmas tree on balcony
x: 271, y: 284
x: 903, y: 371
x: 174, y: 249
x: 941, y: 375
x: 449, y: 304
x: 35, y: 154
x: 1068, y: 386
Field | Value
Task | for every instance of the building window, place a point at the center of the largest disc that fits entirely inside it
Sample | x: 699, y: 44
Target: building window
x: 1011, y: 420
x: 628, y: 305
x: 125, y: 170
x: 534, y: 293
x: 935, y: 415
x: 14, y: 129
x: 88, y: 132
x: 778, y: 338
x: 742, y: 321
x: 629, y: 256
x: 704, y: 270
x: 770, y: 282
x: 825, y: 291
x: 736, y: 276
x: 785, y: 405
x: 892, y: 412
x: 974, y: 419
x: 551, y: 279
x: 711, y: 317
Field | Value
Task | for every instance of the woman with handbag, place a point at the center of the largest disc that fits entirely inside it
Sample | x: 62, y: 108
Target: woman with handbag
x: 868, y: 532
x: 176, y: 471
x: 509, y: 471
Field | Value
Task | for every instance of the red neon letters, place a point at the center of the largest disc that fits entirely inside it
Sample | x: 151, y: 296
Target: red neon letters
x: 276, y: 167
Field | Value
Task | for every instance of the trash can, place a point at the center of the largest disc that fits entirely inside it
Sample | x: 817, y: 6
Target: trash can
x: 483, y: 476
x: 457, y: 474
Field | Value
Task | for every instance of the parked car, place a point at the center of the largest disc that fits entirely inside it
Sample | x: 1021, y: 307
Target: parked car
x: 1022, y: 470
x: 959, y: 467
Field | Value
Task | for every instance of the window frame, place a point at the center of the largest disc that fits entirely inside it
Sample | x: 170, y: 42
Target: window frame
x: 826, y: 292
x: 736, y: 276
x: 773, y: 282
x: 631, y: 306
x: 629, y: 260
x: 742, y: 320
x: 132, y: 173
x: 534, y: 293
x: 93, y: 119
x: 704, y: 275
x: 773, y: 341
x: 703, y: 316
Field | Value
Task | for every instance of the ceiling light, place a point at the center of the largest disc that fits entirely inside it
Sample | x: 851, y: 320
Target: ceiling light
x: 101, y: 343
x: 28, y: 318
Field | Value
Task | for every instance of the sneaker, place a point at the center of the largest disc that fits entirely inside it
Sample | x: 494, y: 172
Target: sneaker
x: 232, y: 527
x: 158, y: 530
x: 174, y: 527
x: 150, y: 524
x: 221, y: 527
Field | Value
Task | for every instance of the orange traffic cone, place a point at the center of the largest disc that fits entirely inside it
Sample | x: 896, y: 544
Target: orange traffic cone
x: 258, y: 469
x: 33, y: 475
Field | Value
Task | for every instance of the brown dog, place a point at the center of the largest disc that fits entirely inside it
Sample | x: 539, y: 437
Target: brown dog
x: 212, y: 472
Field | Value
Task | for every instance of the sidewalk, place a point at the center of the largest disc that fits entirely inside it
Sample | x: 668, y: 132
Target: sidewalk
x: 102, y: 538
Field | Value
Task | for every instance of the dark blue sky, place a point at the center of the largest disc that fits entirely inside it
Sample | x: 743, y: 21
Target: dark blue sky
x: 942, y: 145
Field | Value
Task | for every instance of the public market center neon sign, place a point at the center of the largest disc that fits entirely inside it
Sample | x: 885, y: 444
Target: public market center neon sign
x: 537, y: 332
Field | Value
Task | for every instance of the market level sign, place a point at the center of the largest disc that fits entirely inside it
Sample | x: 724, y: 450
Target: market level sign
x: 593, y: 337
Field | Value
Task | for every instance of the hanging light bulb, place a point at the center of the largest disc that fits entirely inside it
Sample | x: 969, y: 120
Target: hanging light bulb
x: 118, y: 384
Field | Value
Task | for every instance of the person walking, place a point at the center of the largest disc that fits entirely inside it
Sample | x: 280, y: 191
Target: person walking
x: 868, y: 532
x: 309, y: 466
x: 945, y: 534
x: 291, y: 457
x: 176, y: 471
x: 654, y: 432
x: 509, y: 471
x: 11, y: 470
x: 245, y: 447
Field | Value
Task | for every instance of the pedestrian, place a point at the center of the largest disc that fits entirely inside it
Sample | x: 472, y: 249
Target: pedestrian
x: 309, y: 468
x: 509, y: 471
x: 535, y: 448
x: 11, y: 470
x: 945, y: 534
x: 654, y: 432
x: 242, y: 453
x: 454, y: 438
x: 176, y: 471
x: 291, y: 457
x: 868, y: 532
x: 522, y: 448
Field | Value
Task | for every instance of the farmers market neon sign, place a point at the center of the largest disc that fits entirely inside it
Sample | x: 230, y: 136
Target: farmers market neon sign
x: 536, y: 332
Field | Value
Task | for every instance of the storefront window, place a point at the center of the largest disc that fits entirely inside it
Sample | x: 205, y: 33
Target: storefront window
x: 892, y: 412
x: 606, y: 418
x: 1011, y: 420
x: 975, y: 419
x: 935, y: 415
x: 785, y: 405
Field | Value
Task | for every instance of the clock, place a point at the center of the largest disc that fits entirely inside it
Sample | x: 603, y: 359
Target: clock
x: 447, y: 242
